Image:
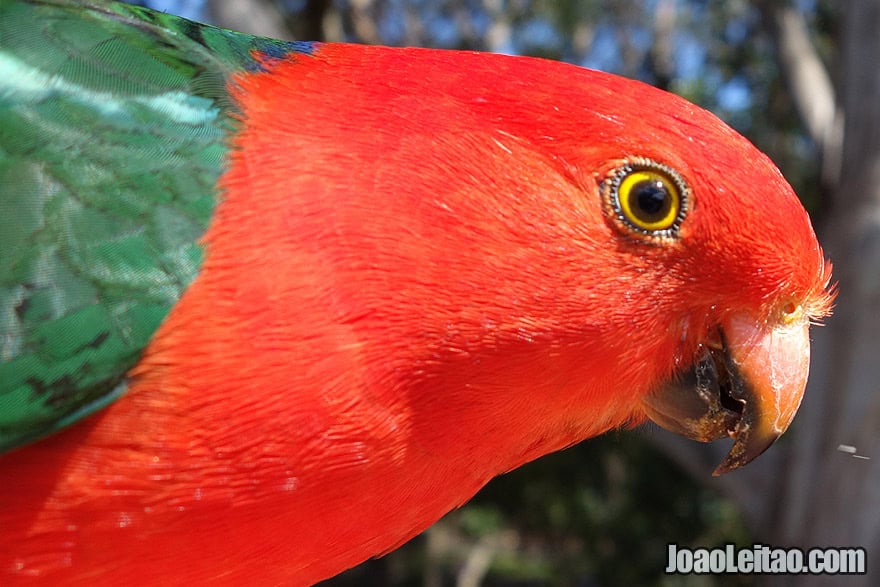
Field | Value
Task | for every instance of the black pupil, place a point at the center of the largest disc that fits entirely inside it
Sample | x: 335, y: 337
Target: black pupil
x: 652, y: 200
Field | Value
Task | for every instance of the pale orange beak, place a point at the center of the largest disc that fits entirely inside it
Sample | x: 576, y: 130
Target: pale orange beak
x: 748, y: 385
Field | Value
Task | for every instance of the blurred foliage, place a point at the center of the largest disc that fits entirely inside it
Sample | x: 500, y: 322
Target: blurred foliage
x: 602, y: 512
x: 716, y: 53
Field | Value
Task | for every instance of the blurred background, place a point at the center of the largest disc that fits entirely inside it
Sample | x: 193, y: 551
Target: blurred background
x: 801, y: 79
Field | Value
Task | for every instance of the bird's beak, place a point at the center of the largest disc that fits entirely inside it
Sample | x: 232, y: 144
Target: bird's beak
x: 747, y: 384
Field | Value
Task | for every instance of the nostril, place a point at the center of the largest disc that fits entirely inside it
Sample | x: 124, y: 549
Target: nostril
x: 790, y: 312
x: 715, y: 340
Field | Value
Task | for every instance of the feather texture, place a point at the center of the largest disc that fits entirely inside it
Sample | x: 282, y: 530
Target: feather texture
x: 113, y: 121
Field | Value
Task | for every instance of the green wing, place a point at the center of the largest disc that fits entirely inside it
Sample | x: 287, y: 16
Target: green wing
x: 113, y: 125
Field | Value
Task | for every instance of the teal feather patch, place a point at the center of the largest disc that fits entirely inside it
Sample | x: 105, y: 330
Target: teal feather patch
x: 113, y: 130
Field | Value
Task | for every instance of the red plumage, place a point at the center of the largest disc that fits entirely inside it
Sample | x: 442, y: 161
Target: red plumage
x: 411, y: 286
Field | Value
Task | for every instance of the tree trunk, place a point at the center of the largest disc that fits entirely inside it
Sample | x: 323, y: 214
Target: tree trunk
x: 833, y: 498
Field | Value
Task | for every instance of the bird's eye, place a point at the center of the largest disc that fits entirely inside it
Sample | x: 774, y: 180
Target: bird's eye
x: 647, y: 197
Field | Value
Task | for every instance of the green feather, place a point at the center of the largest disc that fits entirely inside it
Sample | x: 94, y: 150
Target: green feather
x: 113, y: 132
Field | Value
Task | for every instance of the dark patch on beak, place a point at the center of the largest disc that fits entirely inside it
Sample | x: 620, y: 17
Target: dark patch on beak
x: 747, y: 386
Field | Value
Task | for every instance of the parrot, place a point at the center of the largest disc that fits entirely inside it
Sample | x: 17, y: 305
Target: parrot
x: 271, y: 308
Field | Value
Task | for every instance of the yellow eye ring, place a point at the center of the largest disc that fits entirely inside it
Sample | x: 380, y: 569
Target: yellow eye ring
x: 647, y: 197
x: 649, y: 200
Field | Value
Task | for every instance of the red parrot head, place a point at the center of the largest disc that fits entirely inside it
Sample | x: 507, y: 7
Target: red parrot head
x: 536, y: 251
x: 714, y: 221
x: 757, y: 279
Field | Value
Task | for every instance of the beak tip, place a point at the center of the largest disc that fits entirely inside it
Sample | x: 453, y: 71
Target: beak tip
x: 749, y: 444
x: 731, y: 462
x: 727, y: 465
